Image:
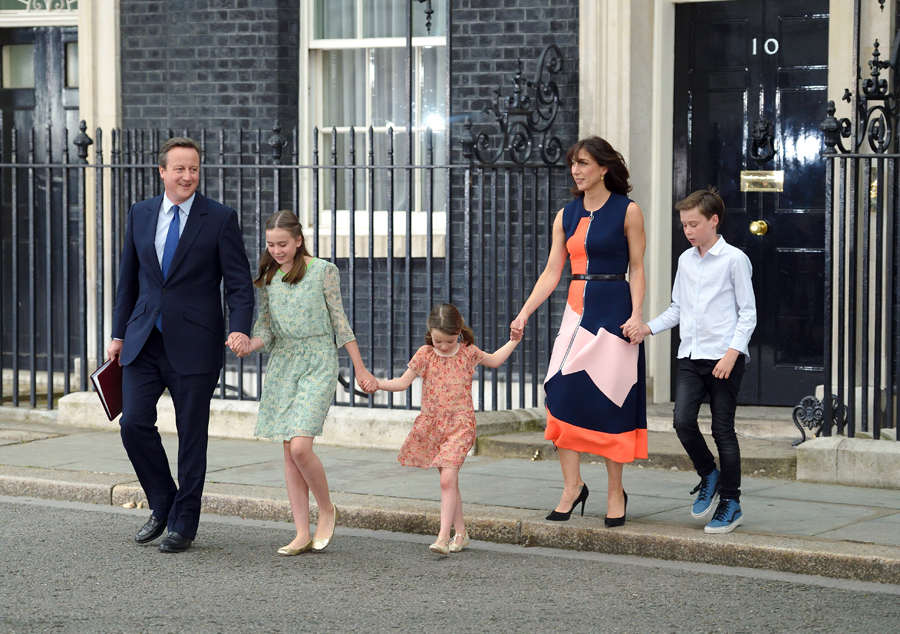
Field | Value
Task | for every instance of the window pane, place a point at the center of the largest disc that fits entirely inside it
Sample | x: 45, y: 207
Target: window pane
x: 439, y: 176
x: 387, y: 18
x: 18, y: 66
x: 343, y: 186
x: 335, y: 19
x: 388, y: 69
x: 344, y: 88
x: 434, y: 86
x: 382, y: 177
x: 72, y: 65
x: 384, y: 18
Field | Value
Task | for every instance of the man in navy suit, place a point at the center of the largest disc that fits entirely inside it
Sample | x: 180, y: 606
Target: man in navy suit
x: 169, y: 333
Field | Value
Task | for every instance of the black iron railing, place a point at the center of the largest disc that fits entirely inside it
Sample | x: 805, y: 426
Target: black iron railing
x: 404, y: 237
x: 862, y: 279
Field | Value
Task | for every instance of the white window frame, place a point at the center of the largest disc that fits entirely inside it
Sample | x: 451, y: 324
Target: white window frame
x: 311, y: 113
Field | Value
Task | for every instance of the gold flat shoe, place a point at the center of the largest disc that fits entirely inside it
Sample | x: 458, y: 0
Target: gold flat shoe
x: 440, y: 546
x: 287, y: 551
x: 322, y: 544
x: 457, y: 544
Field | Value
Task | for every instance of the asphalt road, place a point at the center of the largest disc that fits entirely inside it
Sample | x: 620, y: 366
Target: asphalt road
x: 67, y: 567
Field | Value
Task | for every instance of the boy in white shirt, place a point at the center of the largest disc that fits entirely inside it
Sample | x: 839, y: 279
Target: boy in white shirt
x: 713, y: 302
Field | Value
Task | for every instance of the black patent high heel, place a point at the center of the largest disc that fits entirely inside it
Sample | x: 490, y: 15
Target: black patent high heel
x: 556, y: 516
x: 612, y: 522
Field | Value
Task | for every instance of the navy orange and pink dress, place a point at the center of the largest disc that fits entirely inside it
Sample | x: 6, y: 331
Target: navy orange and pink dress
x: 445, y: 430
x: 596, y: 386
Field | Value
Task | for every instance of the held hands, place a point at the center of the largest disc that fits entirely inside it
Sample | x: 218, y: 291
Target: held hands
x: 366, y: 381
x: 239, y: 344
x: 635, y: 329
x: 517, y: 328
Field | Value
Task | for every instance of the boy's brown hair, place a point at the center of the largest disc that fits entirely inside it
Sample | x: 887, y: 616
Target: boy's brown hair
x: 707, y: 201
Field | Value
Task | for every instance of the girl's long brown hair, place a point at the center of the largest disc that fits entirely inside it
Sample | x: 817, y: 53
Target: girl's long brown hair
x: 287, y: 221
x: 616, y: 178
x: 447, y: 319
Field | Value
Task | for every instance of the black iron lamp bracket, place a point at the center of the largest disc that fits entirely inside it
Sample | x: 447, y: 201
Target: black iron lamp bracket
x: 877, y: 109
x: 528, y: 113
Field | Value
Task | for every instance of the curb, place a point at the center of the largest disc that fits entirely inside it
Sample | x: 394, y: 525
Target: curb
x: 829, y: 558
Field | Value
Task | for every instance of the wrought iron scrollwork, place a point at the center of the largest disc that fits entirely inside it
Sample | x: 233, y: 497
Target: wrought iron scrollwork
x: 877, y: 107
x: 810, y: 413
x: 762, y: 141
x: 526, y: 114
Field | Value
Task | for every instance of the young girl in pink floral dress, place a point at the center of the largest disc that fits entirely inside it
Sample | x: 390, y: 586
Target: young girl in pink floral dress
x: 445, y: 430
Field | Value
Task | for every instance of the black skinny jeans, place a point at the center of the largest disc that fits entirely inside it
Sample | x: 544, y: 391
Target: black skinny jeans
x: 693, y: 383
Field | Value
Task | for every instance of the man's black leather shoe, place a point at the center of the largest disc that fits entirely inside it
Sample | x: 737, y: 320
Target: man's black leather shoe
x: 174, y: 543
x: 151, y: 530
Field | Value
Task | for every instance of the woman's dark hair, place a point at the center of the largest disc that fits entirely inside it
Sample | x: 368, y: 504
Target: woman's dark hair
x: 447, y: 319
x: 616, y: 179
x: 287, y: 221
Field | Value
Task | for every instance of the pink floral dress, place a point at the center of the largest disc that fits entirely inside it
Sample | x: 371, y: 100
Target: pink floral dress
x: 445, y: 430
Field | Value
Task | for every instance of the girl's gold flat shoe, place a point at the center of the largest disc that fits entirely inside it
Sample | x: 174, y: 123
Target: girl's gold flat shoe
x: 287, y: 551
x: 459, y: 542
x: 322, y: 544
x: 440, y: 546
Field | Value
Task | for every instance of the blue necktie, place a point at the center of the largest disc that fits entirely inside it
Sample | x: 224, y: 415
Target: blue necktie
x: 169, y: 251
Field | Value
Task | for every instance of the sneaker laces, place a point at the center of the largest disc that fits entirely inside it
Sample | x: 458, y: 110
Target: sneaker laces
x: 703, y: 487
x: 721, y: 510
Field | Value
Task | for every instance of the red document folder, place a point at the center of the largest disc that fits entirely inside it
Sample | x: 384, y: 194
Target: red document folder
x: 107, y: 380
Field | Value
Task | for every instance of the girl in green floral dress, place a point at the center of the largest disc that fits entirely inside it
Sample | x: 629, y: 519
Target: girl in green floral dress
x: 301, y: 324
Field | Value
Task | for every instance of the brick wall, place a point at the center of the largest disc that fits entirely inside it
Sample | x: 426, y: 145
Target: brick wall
x: 209, y: 63
x: 486, y: 41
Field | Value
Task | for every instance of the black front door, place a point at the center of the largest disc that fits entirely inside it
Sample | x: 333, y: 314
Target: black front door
x: 740, y: 65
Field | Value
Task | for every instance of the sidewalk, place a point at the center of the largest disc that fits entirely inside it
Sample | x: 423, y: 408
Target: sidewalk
x: 801, y: 527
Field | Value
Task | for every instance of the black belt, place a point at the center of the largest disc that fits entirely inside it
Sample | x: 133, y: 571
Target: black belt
x: 599, y: 277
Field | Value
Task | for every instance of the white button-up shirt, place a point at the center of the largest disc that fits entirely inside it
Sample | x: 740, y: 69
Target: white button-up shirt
x: 165, y: 219
x: 712, y: 301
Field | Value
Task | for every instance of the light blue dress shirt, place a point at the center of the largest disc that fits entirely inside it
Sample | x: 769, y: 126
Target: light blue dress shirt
x: 712, y: 301
x: 165, y: 219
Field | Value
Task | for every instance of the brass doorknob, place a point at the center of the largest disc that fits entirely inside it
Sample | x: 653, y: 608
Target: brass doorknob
x: 759, y: 227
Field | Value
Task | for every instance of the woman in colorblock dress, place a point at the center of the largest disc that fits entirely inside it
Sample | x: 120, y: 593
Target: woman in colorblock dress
x: 595, y: 384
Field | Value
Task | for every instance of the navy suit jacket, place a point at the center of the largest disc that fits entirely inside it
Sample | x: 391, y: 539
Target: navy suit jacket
x: 210, y: 250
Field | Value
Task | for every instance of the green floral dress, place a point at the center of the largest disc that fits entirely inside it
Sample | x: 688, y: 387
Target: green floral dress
x: 298, y: 323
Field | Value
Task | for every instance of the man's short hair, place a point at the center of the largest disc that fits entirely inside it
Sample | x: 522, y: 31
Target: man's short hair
x: 707, y: 201
x: 177, y: 141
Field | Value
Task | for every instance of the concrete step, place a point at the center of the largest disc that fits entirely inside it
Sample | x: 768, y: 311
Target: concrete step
x: 760, y: 457
x: 749, y: 421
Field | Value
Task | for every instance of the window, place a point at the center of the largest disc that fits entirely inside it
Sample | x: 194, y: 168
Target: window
x: 18, y: 66
x: 357, y: 76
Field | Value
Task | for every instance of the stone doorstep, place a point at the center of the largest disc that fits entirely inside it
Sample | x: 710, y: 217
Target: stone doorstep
x: 345, y: 426
x: 759, y: 457
x: 387, y: 428
x: 822, y: 557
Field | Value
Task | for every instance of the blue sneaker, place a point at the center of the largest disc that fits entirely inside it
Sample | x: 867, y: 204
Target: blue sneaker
x: 726, y: 518
x: 706, y: 499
